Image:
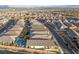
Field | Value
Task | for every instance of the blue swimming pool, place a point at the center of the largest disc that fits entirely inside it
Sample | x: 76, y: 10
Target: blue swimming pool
x: 20, y: 42
x: 30, y: 34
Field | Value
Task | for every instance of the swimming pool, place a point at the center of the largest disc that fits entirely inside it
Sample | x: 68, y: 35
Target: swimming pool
x: 19, y: 41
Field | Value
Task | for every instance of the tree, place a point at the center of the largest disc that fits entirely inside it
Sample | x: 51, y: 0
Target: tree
x: 2, y: 43
x: 12, y: 43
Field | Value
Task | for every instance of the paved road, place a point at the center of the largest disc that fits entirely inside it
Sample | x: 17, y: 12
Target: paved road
x: 7, y: 26
x: 71, y: 33
x: 65, y: 49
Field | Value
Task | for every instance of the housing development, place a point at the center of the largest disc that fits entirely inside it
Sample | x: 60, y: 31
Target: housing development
x: 39, y: 30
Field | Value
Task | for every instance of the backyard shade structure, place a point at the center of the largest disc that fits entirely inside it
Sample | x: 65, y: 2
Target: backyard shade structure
x: 76, y: 24
x: 72, y: 18
x: 68, y: 24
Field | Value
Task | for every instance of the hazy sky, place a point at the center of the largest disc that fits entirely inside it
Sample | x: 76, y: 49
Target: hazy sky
x: 39, y: 2
x: 27, y: 5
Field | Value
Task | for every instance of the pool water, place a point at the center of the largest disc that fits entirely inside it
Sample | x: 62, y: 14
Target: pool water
x: 30, y: 34
x: 19, y: 41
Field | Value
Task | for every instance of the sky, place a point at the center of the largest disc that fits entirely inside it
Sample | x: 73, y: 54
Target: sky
x: 15, y: 3
x: 39, y: 2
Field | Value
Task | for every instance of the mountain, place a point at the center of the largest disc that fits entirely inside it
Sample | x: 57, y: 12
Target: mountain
x: 4, y: 7
x: 60, y: 6
x: 39, y: 6
x: 44, y: 6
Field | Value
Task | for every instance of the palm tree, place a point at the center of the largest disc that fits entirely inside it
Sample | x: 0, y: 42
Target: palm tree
x: 12, y: 43
x: 2, y: 43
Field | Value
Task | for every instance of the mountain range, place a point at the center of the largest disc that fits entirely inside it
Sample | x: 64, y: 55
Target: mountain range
x: 36, y: 6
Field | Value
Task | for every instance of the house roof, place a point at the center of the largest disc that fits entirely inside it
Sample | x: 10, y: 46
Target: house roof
x: 37, y: 42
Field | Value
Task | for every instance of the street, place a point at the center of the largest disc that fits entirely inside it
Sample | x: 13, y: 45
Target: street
x: 59, y: 39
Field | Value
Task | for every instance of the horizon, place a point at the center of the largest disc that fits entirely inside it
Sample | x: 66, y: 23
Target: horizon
x: 43, y: 5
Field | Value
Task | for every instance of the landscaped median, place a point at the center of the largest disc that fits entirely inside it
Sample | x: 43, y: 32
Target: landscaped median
x: 21, y: 40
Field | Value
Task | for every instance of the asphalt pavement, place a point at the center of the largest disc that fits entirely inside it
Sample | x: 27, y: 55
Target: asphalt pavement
x: 59, y: 39
x: 7, y: 26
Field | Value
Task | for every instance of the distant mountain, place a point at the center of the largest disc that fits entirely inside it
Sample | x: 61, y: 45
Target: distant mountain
x: 39, y: 6
x: 53, y: 6
x: 45, y: 6
x: 4, y: 7
x: 60, y: 6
